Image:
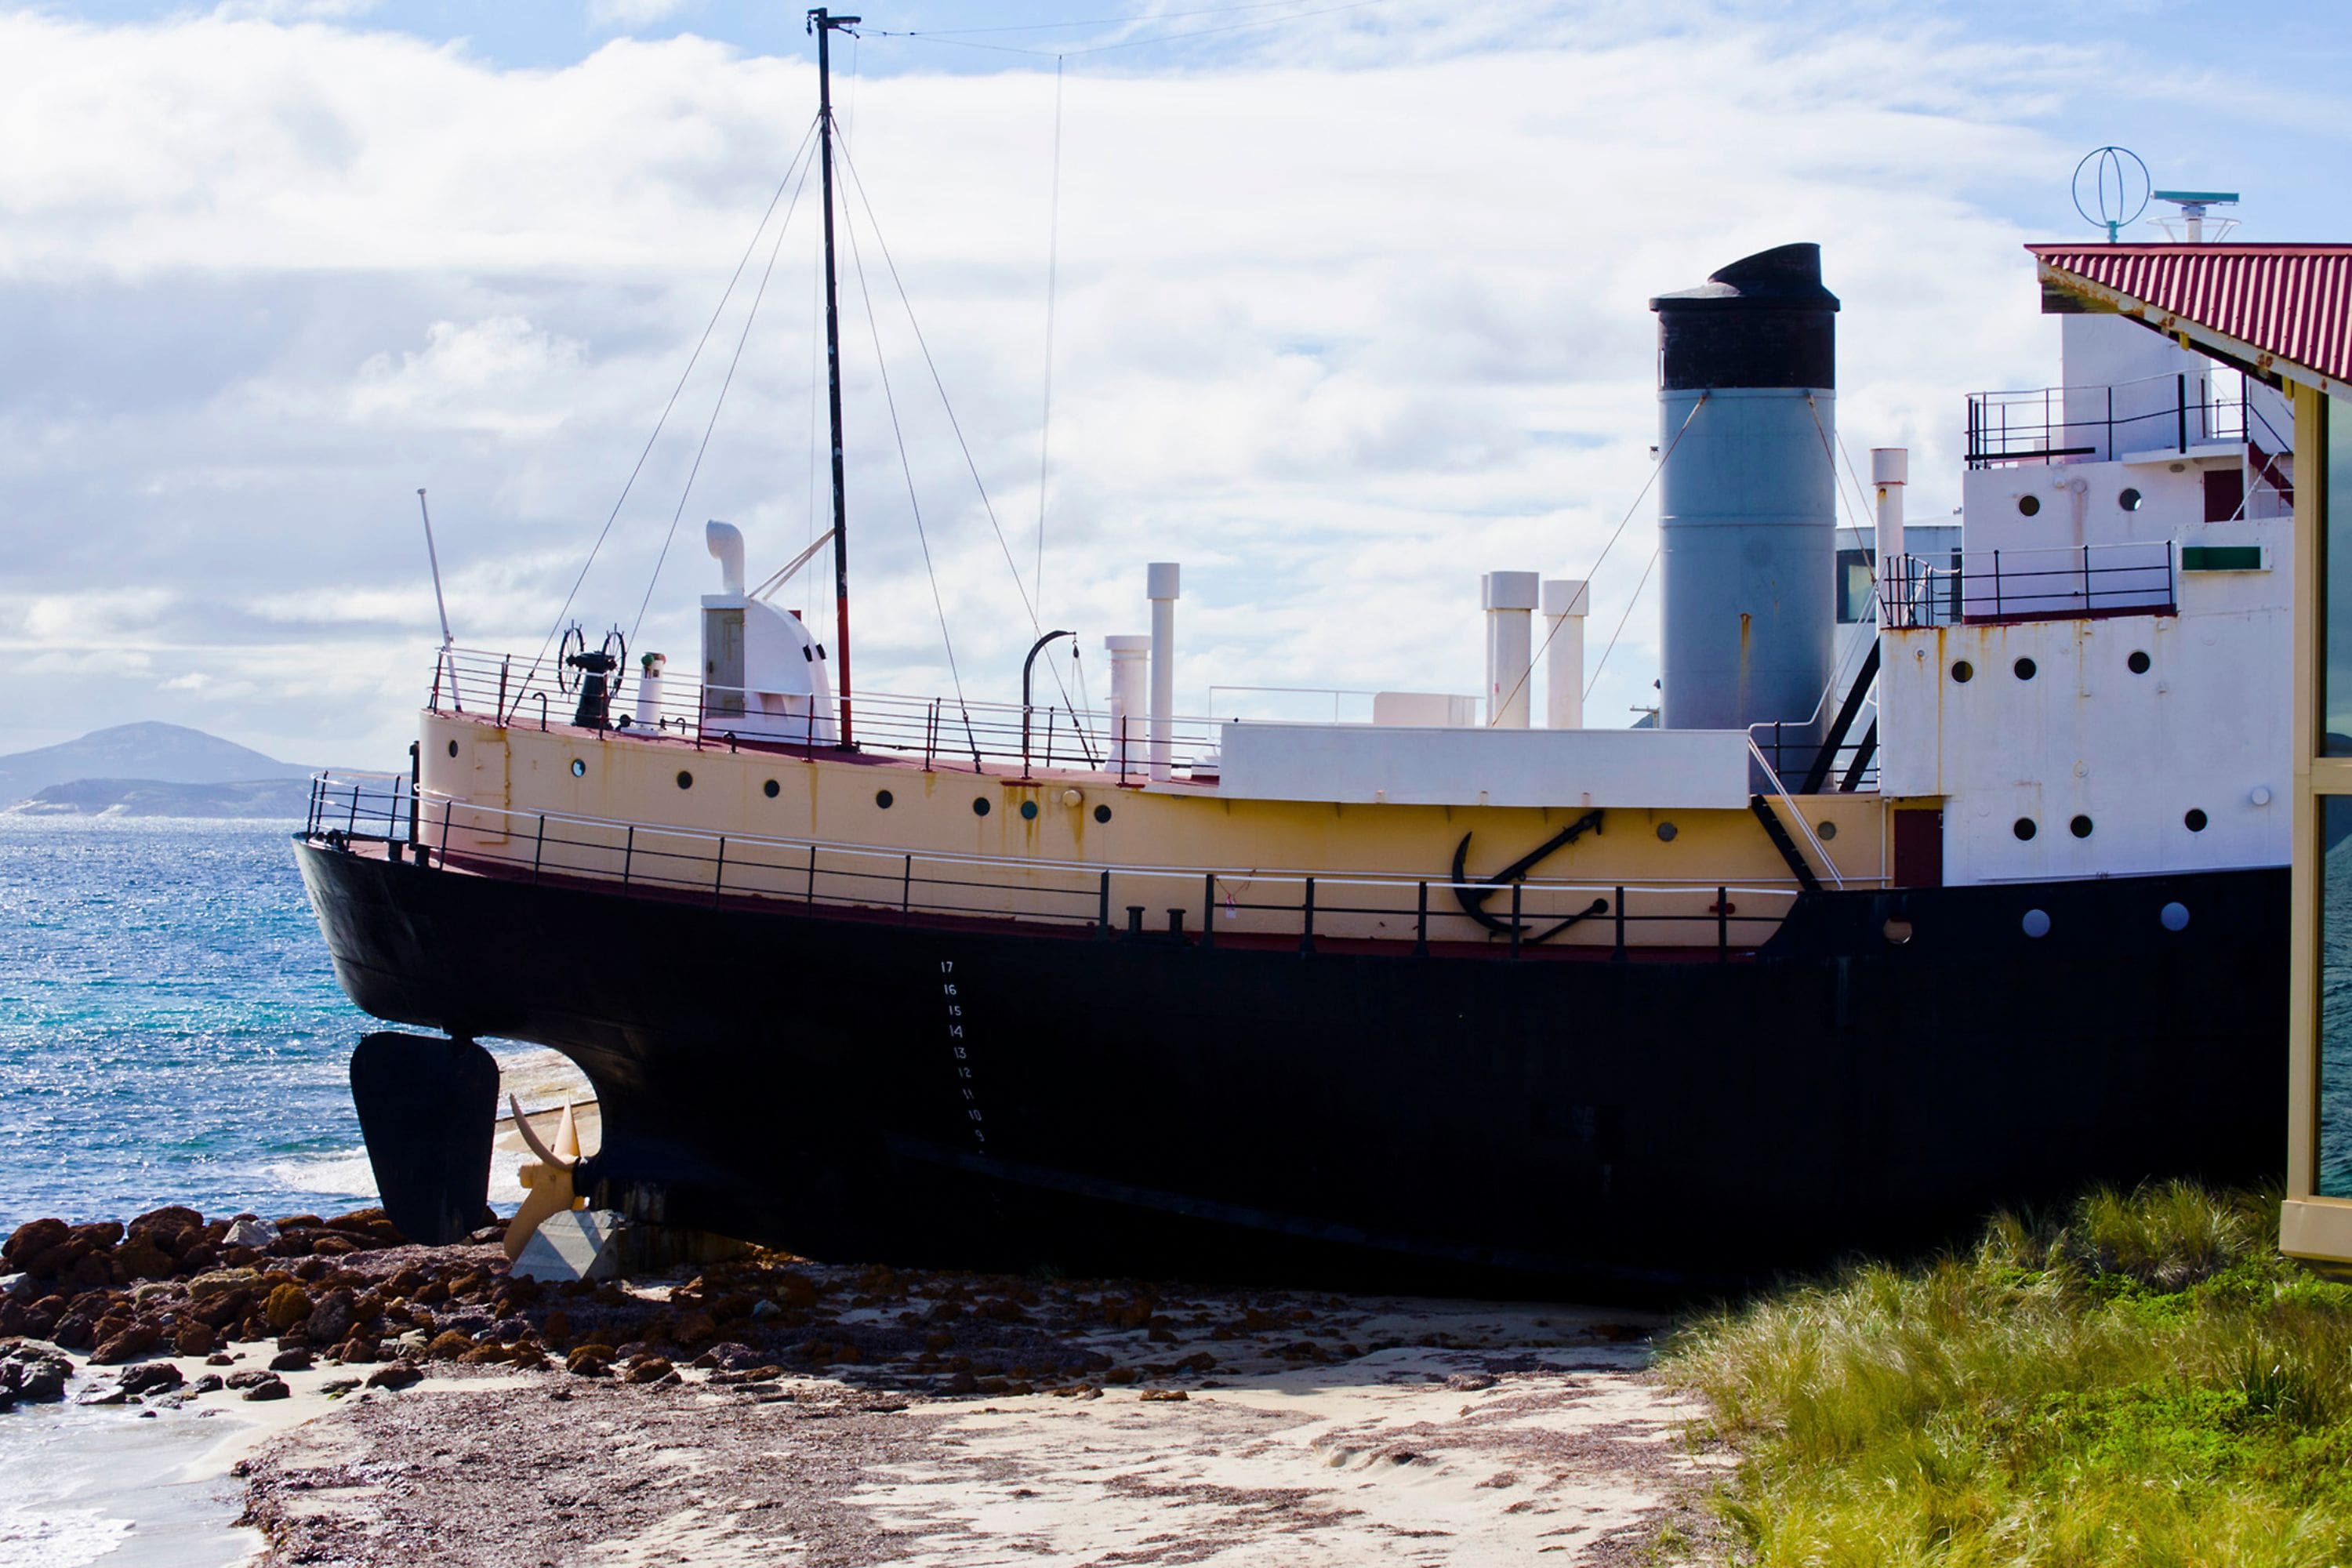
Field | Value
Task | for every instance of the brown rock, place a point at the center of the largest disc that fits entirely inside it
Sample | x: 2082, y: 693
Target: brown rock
x: 469, y: 1284
x: 331, y: 1318
x: 399, y: 1374
x: 92, y: 1271
x: 221, y: 1282
x: 287, y: 1306
x: 217, y: 1312
x: 590, y: 1361
x: 357, y: 1351
x: 195, y: 1339
x: 450, y: 1344
x: 432, y: 1293
x: 691, y: 1327
x: 648, y: 1369
x: 199, y: 1256
x: 141, y: 1258
x: 128, y: 1346
x: 486, y: 1355
x: 1121, y: 1374
x: 404, y: 1282
x: 333, y: 1247
x: 1165, y: 1394
x: 297, y: 1360
x: 273, y: 1388
x: 103, y: 1234
x: 32, y: 1238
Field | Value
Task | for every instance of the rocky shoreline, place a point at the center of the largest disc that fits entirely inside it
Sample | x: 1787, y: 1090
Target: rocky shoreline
x: 912, y: 1407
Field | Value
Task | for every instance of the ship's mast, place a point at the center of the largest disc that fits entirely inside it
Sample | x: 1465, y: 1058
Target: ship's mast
x: 822, y: 23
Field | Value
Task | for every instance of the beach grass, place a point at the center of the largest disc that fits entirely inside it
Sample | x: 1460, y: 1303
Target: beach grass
x: 2139, y: 1380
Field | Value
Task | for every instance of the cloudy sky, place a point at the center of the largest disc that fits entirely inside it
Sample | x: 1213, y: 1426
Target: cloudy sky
x: 1351, y: 307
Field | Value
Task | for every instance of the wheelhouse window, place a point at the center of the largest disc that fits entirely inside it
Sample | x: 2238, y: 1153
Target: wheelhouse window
x: 1853, y: 585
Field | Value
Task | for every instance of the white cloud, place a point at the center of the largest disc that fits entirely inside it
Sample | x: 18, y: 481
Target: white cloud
x: 618, y: 15
x: 1340, y: 337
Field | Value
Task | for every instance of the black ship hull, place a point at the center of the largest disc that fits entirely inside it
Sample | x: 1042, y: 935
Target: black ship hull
x: 860, y: 1086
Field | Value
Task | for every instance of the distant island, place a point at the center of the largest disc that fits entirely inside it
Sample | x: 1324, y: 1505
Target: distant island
x: 151, y: 769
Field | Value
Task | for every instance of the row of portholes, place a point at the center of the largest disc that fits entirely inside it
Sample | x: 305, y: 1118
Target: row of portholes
x: 2194, y: 819
x: 2127, y: 500
x: 2174, y: 916
x: 2139, y: 663
x: 885, y: 800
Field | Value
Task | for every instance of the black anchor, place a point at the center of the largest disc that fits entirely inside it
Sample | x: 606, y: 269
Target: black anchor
x: 1472, y: 896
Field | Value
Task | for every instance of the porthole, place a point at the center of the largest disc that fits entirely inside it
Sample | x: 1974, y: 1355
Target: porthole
x: 2128, y: 500
x: 1102, y: 814
x: 2137, y: 663
x: 2028, y: 506
x: 452, y: 748
x: 882, y: 799
x: 2026, y: 669
x: 2079, y: 827
x: 2174, y: 917
x: 579, y: 769
x: 980, y: 806
x: 769, y: 789
x: 2195, y: 820
x: 685, y: 779
x: 1667, y: 831
x: 1028, y: 811
x: 2036, y: 924
x: 2024, y: 828
x: 1896, y: 932
x: 1828, y: 831
x: 1963, y: 671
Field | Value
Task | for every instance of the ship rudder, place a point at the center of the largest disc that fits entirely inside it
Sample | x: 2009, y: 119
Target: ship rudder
x: 426, y: 1106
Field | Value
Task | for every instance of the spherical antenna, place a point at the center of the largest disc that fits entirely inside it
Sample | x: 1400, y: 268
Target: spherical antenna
x: 2120, y: 188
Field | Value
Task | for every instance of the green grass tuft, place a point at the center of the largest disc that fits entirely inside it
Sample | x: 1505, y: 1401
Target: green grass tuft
x: 2143, y: 1380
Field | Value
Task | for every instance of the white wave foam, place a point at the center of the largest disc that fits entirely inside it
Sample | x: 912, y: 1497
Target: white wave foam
x: 346, y: 1174
x: 35, y: 1536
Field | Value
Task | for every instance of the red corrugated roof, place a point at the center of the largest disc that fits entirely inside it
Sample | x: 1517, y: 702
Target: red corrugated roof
x: 2291, y: 301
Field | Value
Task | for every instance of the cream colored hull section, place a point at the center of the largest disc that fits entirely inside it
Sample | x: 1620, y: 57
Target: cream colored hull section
x: 656, y: 811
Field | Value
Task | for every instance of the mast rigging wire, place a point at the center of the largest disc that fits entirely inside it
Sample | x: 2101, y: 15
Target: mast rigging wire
x: 905, y: 466
x: 857, y: 183
x: 1595, y: 569
x: 725, y: 295
x: 728, y: 381
x: 963, y: 43
x: 1053, y: 262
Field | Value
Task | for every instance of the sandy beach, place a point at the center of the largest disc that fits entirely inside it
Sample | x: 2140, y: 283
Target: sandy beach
x: 1477, y: 1433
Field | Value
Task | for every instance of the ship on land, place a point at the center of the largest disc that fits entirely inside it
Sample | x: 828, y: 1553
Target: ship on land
x: 1950, y: 874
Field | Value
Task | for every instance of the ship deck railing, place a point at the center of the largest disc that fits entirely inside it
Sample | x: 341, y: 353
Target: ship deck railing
x: 383, y: 815
x: 1053, y: 739
x: 2133, y: 577
x: 2098, y: 422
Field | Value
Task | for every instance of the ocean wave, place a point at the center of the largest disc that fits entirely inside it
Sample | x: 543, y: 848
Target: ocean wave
x: 346, y: 1174
x: 36, y: 1536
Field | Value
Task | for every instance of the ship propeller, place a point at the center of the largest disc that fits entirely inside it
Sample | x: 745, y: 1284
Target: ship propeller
x: 548, y: 1184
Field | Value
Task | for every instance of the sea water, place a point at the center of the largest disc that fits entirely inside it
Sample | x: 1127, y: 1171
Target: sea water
x: 170, y: 1027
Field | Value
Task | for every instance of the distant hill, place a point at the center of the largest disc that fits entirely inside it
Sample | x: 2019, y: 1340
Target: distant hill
x: 162, y: 754
x: 279, y: 799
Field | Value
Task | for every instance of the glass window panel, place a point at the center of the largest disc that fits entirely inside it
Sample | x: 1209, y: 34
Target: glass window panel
x: 2336, y: 996
x: 2336, y: 525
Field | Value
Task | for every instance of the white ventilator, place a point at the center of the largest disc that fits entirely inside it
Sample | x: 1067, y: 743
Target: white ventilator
x: 1565, y: 601
x: 1509, y: 598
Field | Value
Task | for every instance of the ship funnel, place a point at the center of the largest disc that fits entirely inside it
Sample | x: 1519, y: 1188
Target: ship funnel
x: 725, y: 541
x: 1746, y: 496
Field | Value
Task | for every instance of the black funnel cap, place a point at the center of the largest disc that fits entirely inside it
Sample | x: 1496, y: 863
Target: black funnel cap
x: 1763, y: 320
